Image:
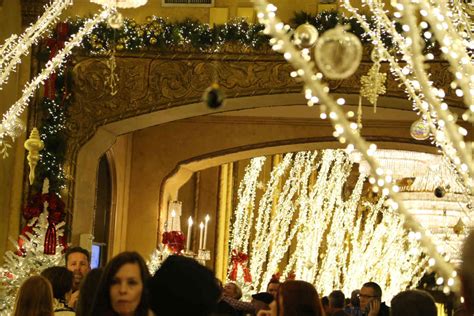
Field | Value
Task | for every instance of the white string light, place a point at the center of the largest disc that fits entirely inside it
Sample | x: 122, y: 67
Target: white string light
x: 52, y: 65
x: 330, y: 236
x: 345, y: 132
x: 440, y: 138
x: 15, y: 47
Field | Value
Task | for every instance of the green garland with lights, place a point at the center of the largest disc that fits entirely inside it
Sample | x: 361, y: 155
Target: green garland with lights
x: 157, y: 34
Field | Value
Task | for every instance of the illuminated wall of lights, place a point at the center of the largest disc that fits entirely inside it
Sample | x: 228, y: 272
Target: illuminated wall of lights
x: 347, y: 132
x: 304, y: 224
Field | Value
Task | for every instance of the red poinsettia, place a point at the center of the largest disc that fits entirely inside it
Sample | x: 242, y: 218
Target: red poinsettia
x: 174, y: 240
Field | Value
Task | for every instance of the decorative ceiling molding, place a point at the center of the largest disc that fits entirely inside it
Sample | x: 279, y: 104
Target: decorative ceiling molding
x: 153, y: 83
x: 31, y: 10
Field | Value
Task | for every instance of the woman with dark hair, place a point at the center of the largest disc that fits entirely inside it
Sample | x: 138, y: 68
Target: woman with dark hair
x: 61, y: 281
x: 122, y: 289
x: 183, y: 287
x: 413, y: 303
x: 295, y: 298
x: 88, y: 290
x: 34, y: 298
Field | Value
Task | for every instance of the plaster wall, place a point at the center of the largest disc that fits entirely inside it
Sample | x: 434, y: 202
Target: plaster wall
x: 286, y: 9
x: 159, y: 150
x: 11, y: 168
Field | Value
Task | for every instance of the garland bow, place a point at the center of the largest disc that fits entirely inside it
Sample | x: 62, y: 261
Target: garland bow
x: 240, y: 258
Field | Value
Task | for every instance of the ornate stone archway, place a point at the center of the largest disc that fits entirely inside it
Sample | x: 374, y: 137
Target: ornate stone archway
x: 158, y: 89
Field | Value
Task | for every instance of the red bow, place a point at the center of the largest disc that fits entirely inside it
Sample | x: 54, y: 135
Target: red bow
x: 291, y: 275
x: 55, y: 215
x: 55, y: 45
x: 240, y: 258
x: 174, y: 240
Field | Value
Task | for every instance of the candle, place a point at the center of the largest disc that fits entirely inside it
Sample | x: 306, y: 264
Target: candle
x: 205, y: 231
x: 173, y: 215
x: 201, y: 234
x: 188, y: 238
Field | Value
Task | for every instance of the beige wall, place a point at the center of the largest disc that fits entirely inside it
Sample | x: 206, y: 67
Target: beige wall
x: 159, y: 150
x: 11, y: 169
x: 286, y: 9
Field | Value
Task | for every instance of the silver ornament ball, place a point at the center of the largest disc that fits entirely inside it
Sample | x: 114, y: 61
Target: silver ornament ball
x: 338, y: 53
x: 306, y: 35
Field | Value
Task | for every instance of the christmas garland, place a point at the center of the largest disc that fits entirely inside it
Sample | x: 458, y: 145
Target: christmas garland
x: 155, y: 34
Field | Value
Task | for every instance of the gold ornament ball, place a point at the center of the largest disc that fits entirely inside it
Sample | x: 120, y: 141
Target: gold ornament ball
x: 119, y: 47
x: 305, y: 35
x: 338, y: 53
x: 153, y: 40
x: 115, y: 20
x: 140, y: 33
x: 149, y: 19
x: 420, y: 130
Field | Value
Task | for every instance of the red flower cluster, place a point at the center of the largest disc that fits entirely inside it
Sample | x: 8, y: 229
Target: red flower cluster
x: 174, y: 240
x: 56, y: 213
x: 36, y: 203
x: 240, y: 258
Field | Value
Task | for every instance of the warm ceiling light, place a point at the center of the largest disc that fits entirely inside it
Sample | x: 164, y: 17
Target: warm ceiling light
x: 122, y: 4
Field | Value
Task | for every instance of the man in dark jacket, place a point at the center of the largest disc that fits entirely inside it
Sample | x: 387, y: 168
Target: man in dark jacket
x: 371, y: 304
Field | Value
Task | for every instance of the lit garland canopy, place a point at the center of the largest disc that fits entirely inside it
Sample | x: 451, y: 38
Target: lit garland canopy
x: 309, y: 223
x: 332, y: 55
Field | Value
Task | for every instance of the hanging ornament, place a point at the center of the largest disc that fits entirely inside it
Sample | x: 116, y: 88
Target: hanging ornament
x: 459, y: 227
x: 338, y: 53
x: 373, y: 84
x: 112, y: 79
x: 440, y: 192
x: 305, y: 35
x: 214, y: 96
x: 115, y: 20
x: 34, y: 145
x: 420, y: 129
x: 14, y: 127
x: 359, y: 114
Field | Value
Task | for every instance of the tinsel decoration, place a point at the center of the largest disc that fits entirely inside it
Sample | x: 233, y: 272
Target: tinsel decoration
x: 214, y: 96
x: 157, y: 257
x: 34, y: 260
x: 373, y: 84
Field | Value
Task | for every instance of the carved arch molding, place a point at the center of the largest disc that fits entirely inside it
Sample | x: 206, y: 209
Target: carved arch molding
x: 150, y: 83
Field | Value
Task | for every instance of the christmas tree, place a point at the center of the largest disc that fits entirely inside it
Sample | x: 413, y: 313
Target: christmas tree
x: 30, y: 258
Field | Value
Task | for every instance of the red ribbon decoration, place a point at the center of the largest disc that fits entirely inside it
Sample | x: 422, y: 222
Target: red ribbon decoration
x: 291, y: 275
x: 50, y: 239
x: 174, y: 240
x: 240, y: 258
x: 55, y: 45
x: 56, y: 214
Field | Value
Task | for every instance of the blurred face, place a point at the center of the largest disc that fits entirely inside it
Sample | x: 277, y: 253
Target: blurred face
x: 126, y: 289
x: 77, y: 263
x: 273, y: 289
x: 366, y: 295
x: 274, y: 309
x: 230, y: 290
